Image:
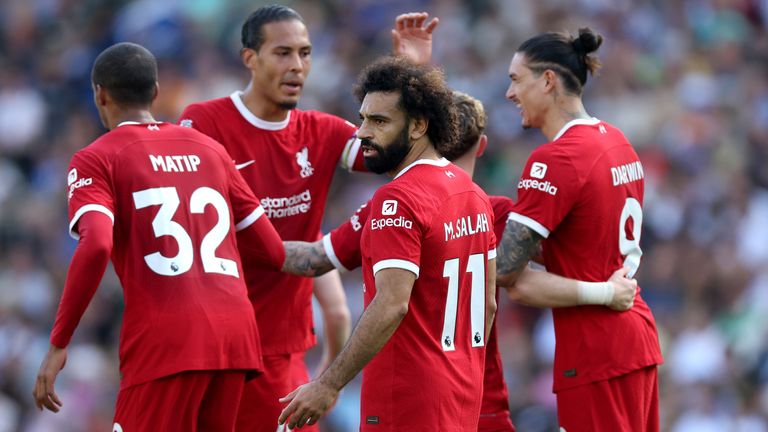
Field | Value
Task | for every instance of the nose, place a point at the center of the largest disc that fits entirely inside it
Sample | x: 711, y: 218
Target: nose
x: 511, y: 95
x: 297, y: 65
x: 364, y: 132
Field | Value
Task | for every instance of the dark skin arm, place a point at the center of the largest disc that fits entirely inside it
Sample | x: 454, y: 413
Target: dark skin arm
x: 519, y: 244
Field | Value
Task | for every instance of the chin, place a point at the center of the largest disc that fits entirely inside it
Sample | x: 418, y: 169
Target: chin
x: 289, y: 104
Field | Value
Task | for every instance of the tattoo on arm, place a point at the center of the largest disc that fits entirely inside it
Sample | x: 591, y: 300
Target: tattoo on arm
x: 306, y: 259
x: 518, y: 245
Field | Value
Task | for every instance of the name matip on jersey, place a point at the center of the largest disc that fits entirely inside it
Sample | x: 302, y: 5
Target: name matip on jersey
x: 169, y: 191
x: 431, y: 220
x: 289, y: 166
x: 583, y: 193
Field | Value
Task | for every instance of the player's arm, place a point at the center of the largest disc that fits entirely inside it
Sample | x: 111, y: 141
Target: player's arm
x: 412, y: 36
x: 519, y: 244
x: 377, y: 324
x: 85, y: 272
x: 261, y: 243
x: 542, y: 289
x: 490, y: 297
x: 329, y: 292
x: 306, y: 259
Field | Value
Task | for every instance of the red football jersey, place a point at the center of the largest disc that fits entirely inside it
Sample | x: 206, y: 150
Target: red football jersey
x: 289, y: 165
x: 583, y: 193
x: 342, y: 246
x: 434, y: 221
x: 169, y: 191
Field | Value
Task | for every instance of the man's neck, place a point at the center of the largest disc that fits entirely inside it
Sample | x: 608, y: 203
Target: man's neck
x: 131, y: 115
x: 261, y: 107
x: 421, y: 150
x: 564, y: 111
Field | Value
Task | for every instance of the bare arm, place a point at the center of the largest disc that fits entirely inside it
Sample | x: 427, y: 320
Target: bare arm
x: 329, y: 292
x: 518, y: 245
x: 379, y: 321
x: 490, y: 297
x: 542, y: 289
x: 306, y: 259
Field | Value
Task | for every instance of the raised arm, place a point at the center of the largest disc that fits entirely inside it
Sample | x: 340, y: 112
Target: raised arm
x: 412, y: 36
x: 306, y: 259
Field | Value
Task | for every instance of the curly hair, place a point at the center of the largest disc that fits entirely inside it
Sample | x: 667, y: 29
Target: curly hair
x: 423, y: 94
x: 472, y: 121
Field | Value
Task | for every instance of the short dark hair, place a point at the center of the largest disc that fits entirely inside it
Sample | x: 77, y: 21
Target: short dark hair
x: 423, y: 94
x: 252, y: 34
x: 472, y: 121
x: 566, y: 55
x: 128, y: 72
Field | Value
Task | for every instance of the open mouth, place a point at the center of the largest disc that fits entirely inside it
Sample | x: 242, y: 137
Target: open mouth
x: 292, y: 86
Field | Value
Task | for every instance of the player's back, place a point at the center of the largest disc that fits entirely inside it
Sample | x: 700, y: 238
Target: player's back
x: 429, y: 374
x: 599, y: 234
x: 175, y: 207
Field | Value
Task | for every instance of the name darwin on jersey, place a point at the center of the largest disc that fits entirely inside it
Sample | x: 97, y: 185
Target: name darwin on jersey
x: 175, y: 163
x: 466, y: 225
x: 287, y: 206
x: 627, y: 173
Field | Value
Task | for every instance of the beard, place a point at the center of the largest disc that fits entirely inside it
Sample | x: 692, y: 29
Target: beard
x: 389, y: 157
x: 287, y: 105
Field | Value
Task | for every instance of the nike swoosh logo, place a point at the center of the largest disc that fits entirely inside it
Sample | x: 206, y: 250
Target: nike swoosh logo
x: 244, y: 164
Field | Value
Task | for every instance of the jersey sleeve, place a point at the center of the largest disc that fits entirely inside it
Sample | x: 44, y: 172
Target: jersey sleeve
x: 548, y: 188
x: 351, y: 155
x: 395, y: 231
x: 88, y: 188
x: 342, y: 245
x: 194, y: 116
x: 246, y: 208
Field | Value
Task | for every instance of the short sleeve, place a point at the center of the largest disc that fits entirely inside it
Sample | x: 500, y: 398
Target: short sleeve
x: 89, y: 188
x: 395, y: 231
x: 342, y: 245
x: 547, y: 190
x: 246, y: 208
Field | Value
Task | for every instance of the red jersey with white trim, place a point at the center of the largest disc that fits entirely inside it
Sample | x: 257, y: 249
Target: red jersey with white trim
x: 169, y: 191
x: 583, y: 193
x: 342, y: 246
x: 289, y: 165
x: 434, y: 221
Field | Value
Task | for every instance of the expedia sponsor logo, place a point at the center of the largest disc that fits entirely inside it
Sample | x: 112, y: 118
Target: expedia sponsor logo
x: 287, y: 206
x: 399, y: 222
x: 72, y: 176
x: 538, y: 185
x: 76, y: 184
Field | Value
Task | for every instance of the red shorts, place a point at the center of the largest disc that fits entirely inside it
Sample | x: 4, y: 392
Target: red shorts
x: 628, y: 403
x: 495, y: 422
x: 259, y: 407
x: 184, y: 402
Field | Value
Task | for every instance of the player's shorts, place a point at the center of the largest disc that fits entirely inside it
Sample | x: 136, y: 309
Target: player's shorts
x: 259, y: 407
x: 628, y: 403
x: 495, y: 422
x: 184, y: 402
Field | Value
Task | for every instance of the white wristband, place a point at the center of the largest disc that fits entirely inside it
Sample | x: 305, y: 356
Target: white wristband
x: 595, y: 293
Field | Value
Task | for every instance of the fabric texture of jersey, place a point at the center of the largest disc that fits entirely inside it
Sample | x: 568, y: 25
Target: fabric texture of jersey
x: 583, y: 193
x: 433, y: 221
x: 289, y: 166
x: 169, y: 191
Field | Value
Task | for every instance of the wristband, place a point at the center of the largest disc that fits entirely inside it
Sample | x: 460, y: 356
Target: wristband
x: 595, y: 293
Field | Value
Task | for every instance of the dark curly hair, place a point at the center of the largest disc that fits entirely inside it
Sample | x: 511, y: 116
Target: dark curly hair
x: 423, y: 94
x: 569, y: 56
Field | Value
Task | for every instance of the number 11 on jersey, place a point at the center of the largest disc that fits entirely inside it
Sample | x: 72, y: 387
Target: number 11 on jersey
x: 475, y: 267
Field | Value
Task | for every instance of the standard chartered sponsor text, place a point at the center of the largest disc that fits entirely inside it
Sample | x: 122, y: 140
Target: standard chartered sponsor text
x: 287, y: 206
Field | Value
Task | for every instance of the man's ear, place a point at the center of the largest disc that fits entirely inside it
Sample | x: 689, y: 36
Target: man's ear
x: 248, y: 55
x: 100, y: 95
x: 481, y: 145
x: 550, y: 80
x: 418, y: 128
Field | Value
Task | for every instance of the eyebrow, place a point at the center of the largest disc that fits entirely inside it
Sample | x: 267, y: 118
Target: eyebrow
x: 374, y: 116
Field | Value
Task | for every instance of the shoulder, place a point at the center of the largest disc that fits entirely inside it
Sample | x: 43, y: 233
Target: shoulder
x: 501, y: 205
x: 321, y: 118
x: 204, y: 108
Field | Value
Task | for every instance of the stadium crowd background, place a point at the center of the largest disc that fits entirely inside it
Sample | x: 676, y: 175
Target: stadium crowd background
x: 687, y: 81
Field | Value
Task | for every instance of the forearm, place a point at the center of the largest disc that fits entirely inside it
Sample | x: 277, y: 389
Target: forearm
x: 542, y: 289
x: 336, y: 317
x: 306, y: 259
x: 518, y: 245
x: 376, y: 326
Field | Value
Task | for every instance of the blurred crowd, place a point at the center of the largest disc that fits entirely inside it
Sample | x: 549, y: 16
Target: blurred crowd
x: 686, y: 80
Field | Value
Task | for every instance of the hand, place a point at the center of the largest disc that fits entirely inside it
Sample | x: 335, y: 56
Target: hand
x: 44, y: 394
x: 624, y: 290
x: 411, y: 38
x: 307, y: 404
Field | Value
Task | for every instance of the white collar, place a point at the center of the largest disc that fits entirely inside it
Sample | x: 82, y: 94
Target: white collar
x: 440, y: 163
x: 589, y: 122
x: 237, y: 99
x: 131, y: 122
